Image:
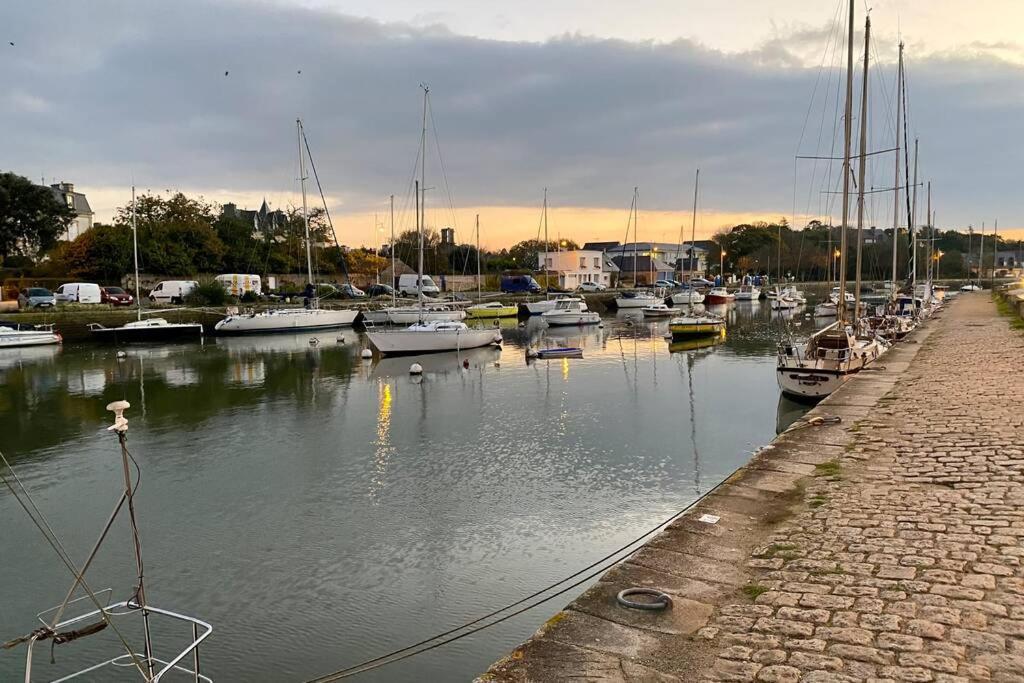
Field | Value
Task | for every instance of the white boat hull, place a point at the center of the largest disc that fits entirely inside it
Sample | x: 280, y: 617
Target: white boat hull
x: 408, y: 316
x: 809, y: 383
x: 752, y: 294
x: 571, y: 318
x: 637, y: 301
x: 286, y: 320
x: 12, y: 338
x: 410, y: 341
x: 784, y: 303
x: 687, y: 297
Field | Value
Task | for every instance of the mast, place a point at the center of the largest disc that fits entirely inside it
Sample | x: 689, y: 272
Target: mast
x: 970, y: 235
x: 995, y: 251
x: 913, y: 228
x: 135, y: 254
x: 896, y: 183
x: 393, y: 293
x: 305, y: 212
x: 419, y: 270
x: 693, y: 234
x: 635, y: 237
x: 547, y: 289
x: 863, y: 166
x: 928, y: 227
x: 847, y: 133
x: 422, y: 187
x: 981, y: 257
x: 479, y: 296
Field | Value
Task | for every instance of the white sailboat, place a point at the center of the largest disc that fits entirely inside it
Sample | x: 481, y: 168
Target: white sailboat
x: 489, y: 309
x: 748, y: 293
x: 291, y: 319
x: 429, y: 336
x: 33, y: 335
x: 692, y: 323
x: 832, y: 355
x: 637, y: 298
x: 149, y: 329
x: 547, y: 303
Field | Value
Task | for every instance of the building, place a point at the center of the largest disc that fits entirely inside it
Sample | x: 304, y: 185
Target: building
x: 64, y: 193
x: 576, y: 267
x: 648, y: 269
x: 263, y: 219
x: 448, y: 236
x: 1009, y: 262
x: 599, y: 246
x: 678, y: 257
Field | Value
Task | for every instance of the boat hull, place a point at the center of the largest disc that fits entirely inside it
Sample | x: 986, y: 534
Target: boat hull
x: 396, y: 342
x: 412, y: 316
x: 684, y: 330
x: 485, y: 313
x: 172, y: 332
x: 637, y: 302
x: 810, y: 384
x: 286, y: 320
x: 718, y: 299
x: 687, y: 297
x: 571, y: 318
x: 16, y: 338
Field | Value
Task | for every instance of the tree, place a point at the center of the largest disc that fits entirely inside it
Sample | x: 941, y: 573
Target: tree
x: 104, y: 253
x: 525, y: 253
x: 31, y: 218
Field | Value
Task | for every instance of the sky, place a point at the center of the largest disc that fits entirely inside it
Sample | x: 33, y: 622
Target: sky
x: 588, y: 99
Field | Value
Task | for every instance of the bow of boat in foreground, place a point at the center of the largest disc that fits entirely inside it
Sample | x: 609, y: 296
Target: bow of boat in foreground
x: 431, y: 337
x: 828, y: 359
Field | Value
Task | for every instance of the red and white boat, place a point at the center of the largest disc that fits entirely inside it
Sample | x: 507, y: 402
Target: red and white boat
x: 719, y: 295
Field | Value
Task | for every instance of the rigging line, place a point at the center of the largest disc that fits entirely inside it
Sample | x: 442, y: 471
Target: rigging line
x: 410, y: 651
x: 327, y: 212
x: 830, y: 158
x: 814, y: 90
x: 830, y: 46
x: 440, y: 157
x: 54, y: 542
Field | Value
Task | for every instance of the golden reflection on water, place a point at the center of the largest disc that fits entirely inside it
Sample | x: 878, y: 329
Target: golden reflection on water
x: 382, y: 446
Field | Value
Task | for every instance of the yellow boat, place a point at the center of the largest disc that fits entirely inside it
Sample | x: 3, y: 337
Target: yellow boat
x: 696, y: 326
x: 493, y: 309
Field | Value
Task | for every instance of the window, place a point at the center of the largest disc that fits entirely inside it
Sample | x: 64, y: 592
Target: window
x: 597, y: 261
x: 550, y: 262
x: 583, y: 262
x: 70, y: 199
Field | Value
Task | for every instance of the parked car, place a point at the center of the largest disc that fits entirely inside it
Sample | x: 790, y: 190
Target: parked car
x: 115, y: 296
x: 592, y: 287
x: 36, y: 297
x: 172, y: 291
x: 408, y: 285
x: 78, y: 292
x: 519, y: 283
x: 379, y: 289
x: 669, y: 284
x: 350, y: 291
x: 700, y: 282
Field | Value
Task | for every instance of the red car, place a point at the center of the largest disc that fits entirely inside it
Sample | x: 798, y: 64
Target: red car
x: 116, y: 296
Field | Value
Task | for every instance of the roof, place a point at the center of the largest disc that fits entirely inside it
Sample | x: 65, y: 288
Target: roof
x: 599, y: 246
x: 643, y: 264
x: 629, y: 247
x: 80, y: 203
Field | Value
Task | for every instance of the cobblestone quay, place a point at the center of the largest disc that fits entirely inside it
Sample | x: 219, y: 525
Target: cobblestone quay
x: 886, y: 548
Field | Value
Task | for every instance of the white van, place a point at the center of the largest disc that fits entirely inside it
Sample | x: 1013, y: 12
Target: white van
x: 78, y: 292
x: 407, y: 285
x: 172, y: 291
x: 236, y: 284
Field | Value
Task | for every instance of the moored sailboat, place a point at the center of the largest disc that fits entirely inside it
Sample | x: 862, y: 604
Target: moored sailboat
x: 694, y: 324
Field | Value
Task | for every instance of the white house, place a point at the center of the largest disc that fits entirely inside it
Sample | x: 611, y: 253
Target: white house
x: 576, y: 267
x: 672, y: 253
x: 76, y: 201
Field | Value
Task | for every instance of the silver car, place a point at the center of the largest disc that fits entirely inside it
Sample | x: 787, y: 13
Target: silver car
x: 36, y: 297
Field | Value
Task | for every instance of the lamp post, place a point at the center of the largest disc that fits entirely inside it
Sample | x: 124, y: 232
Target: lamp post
x: 835, y: 265
x: 938, y: 263
x: 721, y: 265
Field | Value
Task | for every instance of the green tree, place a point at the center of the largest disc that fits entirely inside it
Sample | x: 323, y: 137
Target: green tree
x: 176, y: 234
x: 31, y: 218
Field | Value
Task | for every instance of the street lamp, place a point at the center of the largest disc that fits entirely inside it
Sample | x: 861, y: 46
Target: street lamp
x: 938, y: 263
x: 721, y: 265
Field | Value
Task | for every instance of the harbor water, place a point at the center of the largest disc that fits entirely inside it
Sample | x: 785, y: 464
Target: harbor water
x: 320, y: 509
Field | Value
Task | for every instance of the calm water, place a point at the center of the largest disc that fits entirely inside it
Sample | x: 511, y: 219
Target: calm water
x: 319, y: 509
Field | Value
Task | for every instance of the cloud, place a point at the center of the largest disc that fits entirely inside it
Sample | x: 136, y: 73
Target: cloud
x: 139, y: 91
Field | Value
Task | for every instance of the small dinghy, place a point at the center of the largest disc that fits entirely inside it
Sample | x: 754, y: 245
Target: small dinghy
x: 563, y: 352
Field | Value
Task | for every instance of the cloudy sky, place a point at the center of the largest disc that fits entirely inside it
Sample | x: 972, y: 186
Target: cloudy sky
x: 588, y: 99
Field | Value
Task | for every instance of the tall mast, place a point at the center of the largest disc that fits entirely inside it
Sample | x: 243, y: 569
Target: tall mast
x: 393, y: 293
x: 995, y: 251
x: 635, y: 238
x: 863, y: 165
x: 422, y: 198
x: 848, y: 132
x: 419, y: 269
x: 928, y: 228
x: 479, y: 296
x: 693, y: 234
x: 913, y: 227
x: 305, y: 212
x: 547, y: 289
x: 970, y: 236
x: 896, y: 183
x: 981, y: 257
x: 135, y: 253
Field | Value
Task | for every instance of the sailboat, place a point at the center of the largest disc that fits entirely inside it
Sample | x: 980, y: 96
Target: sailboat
x: 836, y: 353
x: 429, y: 336
x: 12, y: 335
x: 490, y: 309
x: 291, y: 319
x: 149, y: 329
x: 637, y: 298
x: 548, y: 303
x: 692, y: 323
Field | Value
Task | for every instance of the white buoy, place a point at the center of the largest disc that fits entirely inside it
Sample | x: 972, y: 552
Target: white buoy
x: 497, y: 364
x: 314, y: 341
x: 415, y: 369
x: 341, y: 340
x: 522, y: 324
x: 600, y: 325
x: 122, y: 354
x: 366, y: 353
